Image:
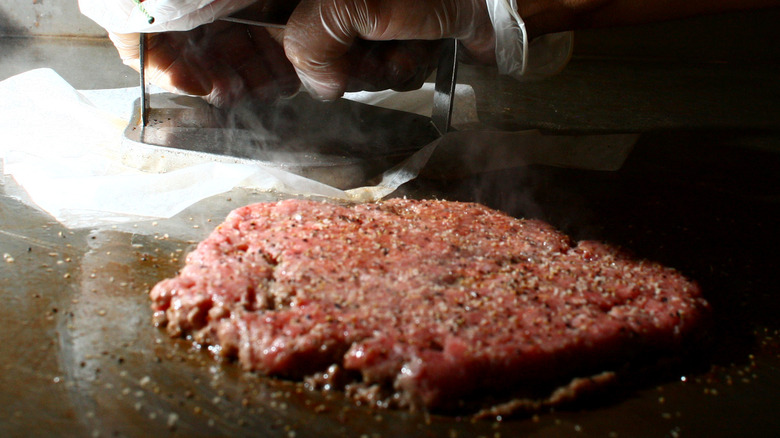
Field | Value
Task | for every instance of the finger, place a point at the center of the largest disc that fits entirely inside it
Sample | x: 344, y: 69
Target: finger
x: 228, y: 56
x: 246, y: 62
x: 165, y: 67
x: 173, y: 66
x: 223, y: 62
x: 397, y: 65
x: 270, y: 47
x: 413, y: 64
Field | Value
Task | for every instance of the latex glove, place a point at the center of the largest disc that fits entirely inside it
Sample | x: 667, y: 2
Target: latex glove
x: 328, y: 41
x: 129, y: 16
x: 223, y: 62
x: 325, y: 40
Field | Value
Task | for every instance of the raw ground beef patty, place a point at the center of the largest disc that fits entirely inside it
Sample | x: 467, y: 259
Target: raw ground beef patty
x: 425, y: 304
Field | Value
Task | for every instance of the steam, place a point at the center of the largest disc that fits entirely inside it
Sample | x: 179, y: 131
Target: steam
x: 344, y: 142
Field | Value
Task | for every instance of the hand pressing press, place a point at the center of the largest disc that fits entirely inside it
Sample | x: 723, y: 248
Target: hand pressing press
x: 335, y: 45
x: 344, y: 45
x: 190, y: 52
x: 348, y: 45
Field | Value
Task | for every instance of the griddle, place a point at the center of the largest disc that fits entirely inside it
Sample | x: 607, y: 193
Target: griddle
x: 81, y: 357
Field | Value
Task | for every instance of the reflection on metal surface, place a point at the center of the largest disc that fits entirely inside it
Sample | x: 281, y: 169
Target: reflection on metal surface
x: 444, y: 90
x: 342, y: 143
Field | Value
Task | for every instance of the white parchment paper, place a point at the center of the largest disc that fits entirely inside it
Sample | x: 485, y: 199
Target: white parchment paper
x: 62, y: 146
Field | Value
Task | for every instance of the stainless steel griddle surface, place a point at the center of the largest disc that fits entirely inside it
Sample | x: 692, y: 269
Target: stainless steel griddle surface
x: 80, y: 356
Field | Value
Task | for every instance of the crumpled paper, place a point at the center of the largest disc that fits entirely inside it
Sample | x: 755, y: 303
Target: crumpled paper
x: 62, y: 147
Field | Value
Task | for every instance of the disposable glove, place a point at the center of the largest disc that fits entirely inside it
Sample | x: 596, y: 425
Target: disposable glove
x: 326, y: 41
x: 223, y: 62
x: 130, y: 16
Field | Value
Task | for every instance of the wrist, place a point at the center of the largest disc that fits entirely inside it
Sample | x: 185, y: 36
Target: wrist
x: 479, y: 43
x: 517, y: 52
x: 549, y: 16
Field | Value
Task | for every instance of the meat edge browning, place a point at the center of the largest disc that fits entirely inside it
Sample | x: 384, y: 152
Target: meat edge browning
x: 194, y: 326
x: 617, y: 378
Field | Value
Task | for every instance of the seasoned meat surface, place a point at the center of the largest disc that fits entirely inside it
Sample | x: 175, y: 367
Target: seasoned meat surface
x: 420, y: 303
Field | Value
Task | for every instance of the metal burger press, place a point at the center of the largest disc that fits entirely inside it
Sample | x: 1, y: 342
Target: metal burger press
x: 343, y: 143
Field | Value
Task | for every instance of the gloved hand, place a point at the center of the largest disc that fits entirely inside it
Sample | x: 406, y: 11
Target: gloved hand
x: 223, y: 62
x: 326, y: 41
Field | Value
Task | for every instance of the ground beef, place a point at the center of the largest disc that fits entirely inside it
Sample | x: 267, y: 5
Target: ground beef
x: 426, y: 304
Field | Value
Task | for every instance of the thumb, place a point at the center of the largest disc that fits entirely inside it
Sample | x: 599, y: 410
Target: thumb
x: 320, y: 33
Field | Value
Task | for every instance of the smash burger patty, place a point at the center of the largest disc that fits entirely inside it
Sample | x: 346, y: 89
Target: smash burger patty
x: 423, y: 304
